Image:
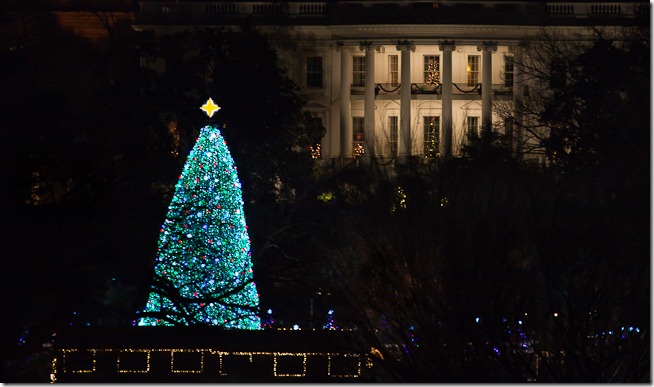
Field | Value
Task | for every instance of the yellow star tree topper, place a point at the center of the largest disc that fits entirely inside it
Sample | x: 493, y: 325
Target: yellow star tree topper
x: 210, y: 107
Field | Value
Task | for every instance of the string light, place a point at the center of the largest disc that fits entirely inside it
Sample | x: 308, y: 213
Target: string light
x: 357, y: 151
x: 325, y: 196
x: 296, y: 375
x: 277, y: 368
x: 432, y: 150
x: 330, y: 324
x: 53, y: 370
x: 316, y: 153
x: 172, y: 360
x: 400, y: 199
x: 147, y: 361
x: 78, y: 371
x: 358, y: 373
x: 174, y: 134
x: 433, y: 76
x: 220, y: 357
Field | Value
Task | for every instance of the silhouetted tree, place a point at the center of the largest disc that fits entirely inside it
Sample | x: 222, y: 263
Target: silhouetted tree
x: 81, y: 211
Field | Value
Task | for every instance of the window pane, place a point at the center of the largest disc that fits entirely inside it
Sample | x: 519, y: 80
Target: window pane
x: 558, y: 74
x: 393, y: 69
x: 393, y: 134
x: 314, y: 71
x: 508, y: 132
x: 473, y: 70
x: 357, y: 136
x: 316, y: 148
x: 431, y: 129
x: 359, y: 70
x: 431, y: 69
x: 508, y: 71
x: 473, y: 127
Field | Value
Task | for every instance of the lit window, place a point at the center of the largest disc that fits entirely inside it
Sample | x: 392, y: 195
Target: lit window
x: 357, y: 133
x: 316, y: 152
x: 431, y: 128
x: 393, y: 70
x: 473, y: 70
x: 508, y: 71
x: 359, y: 71
x: 431, y: 69
x: 314, y: 71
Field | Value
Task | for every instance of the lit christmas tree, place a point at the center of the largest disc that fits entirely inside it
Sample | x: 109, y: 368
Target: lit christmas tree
x: 203, y: 272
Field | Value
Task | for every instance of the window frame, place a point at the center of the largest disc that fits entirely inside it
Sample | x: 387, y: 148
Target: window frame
x: 314, y: 74
x: 316, y: 147
x: 508, y: 131
x: 358, y: 71
x: 358, y: 131
x: 393, y: 70
x: 472, y: 131
x: 509, y: 70
x: 427, y: 131
x: 425, y: 66
x: 473, y: 74
x: 558, y: 74
x: 393, y: 134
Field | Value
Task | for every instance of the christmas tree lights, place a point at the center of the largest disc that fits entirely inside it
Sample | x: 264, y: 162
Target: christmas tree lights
x: 203, y: 272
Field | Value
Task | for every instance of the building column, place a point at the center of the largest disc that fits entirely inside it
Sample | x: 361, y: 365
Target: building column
x: 405, y: 99
x: 369, y: 101
x: 345, y: 117
x: 445, y: 145
x: 518, y: 96
x: 487, y: 49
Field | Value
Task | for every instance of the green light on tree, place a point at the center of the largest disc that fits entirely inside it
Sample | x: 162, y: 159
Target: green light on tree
x: 203, y: 272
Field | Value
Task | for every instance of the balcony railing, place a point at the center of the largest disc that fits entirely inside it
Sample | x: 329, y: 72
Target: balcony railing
x: 436, y: 89
x: 234, y: 8
x: 581, y: 9
x: 359, y: 8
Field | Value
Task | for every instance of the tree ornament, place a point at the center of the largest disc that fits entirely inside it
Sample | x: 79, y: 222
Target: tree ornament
x: 209, y: 108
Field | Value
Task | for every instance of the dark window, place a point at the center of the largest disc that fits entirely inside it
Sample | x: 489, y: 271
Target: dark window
x: 508, y: 132
x: 557, y: 75
x: 473, y: 127
x: 314, y: 71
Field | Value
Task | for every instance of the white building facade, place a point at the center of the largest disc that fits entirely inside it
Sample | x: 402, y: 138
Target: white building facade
x: 391, y: 96
x: 398, y: 79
